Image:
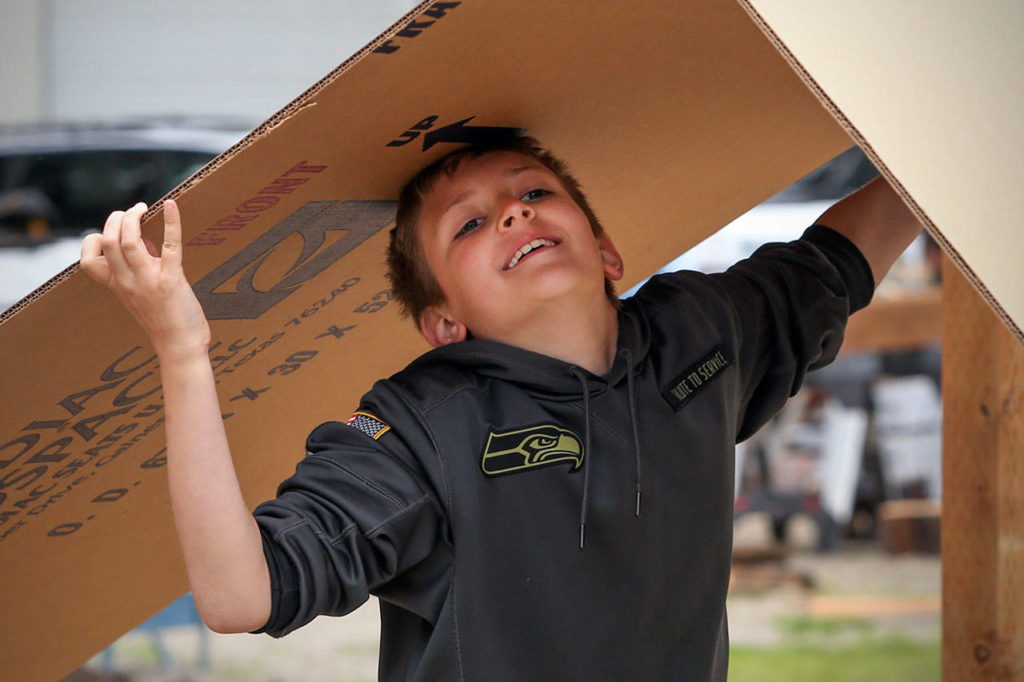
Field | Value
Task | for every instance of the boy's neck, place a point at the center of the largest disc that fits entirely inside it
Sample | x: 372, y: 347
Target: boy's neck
x: 584, y: 337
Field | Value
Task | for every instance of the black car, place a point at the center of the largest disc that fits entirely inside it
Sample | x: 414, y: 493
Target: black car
x: 63, y: 179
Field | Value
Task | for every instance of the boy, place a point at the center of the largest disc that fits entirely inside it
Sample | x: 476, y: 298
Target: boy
x: 547, y: 495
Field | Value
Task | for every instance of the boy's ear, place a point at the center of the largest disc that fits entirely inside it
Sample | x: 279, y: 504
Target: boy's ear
x: 614, y: 267
x: 440, y: 328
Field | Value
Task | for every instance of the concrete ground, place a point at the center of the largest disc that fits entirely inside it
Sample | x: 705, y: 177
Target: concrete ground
x: 856, y: 589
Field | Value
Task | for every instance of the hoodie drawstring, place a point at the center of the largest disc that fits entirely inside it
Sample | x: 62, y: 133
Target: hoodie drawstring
x: 634, y: 423
x: 586, y: 451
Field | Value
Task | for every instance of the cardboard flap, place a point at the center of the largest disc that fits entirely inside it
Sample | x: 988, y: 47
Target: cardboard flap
x: 931, y: 91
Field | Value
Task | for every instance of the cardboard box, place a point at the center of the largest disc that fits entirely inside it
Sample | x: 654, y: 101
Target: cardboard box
x: 909, y: 526
x: 677, y: 117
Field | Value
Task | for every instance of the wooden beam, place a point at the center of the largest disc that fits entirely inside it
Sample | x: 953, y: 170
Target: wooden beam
x: 896, y: 322
x: 983, y: 490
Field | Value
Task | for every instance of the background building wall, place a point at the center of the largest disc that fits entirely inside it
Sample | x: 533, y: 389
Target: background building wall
x: 21, y: 61
x: 106, y: 59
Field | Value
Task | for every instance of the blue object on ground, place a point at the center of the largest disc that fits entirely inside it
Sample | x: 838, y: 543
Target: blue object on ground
x: 179, y: 613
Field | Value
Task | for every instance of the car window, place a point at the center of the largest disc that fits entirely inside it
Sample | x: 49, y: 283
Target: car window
x: 7, y: 172
x: 837, y: 178
x: 84, y: 186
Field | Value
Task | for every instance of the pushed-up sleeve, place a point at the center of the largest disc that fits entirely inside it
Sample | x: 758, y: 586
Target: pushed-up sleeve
x: 354, y: 516
x: 790, y: 303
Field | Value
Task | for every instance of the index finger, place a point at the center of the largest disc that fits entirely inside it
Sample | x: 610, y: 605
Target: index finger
x: 92, y: 261
x: 170, y: 253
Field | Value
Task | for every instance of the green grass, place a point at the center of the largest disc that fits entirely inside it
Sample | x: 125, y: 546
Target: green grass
x: 867, y: 659
x: 796, y: 627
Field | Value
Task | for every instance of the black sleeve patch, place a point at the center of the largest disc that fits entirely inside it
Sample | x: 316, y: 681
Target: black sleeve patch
x: 695, y: 378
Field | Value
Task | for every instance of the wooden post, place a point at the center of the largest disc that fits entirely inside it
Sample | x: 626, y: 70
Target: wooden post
x: 983, y: 490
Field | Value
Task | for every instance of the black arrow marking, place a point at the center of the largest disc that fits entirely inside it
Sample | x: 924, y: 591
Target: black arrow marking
x: 460, y: 133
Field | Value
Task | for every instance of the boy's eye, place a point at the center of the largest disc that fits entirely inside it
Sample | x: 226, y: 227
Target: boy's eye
x: 469, y: 227
x: 535, y: 194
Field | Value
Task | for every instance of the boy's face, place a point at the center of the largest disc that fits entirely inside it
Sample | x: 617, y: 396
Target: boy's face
x: 504, y: 238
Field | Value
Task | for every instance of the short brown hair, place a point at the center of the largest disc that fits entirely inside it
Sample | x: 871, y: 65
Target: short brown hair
x: 412, y: 282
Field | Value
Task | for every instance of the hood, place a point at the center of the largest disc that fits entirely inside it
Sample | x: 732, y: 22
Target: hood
x: 543, y: 375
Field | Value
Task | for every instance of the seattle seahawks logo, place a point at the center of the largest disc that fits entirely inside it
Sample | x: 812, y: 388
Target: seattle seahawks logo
x: 537, y: 446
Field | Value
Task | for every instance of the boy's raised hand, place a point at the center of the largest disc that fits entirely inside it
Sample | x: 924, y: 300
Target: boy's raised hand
x: 220, y: 541
x: 150, y: 284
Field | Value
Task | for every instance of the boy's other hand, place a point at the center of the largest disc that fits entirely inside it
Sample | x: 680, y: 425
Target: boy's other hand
x: 150, y: 283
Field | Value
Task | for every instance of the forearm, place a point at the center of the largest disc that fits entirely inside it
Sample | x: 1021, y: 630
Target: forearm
x: 220, y: 540
x: 877, y: 221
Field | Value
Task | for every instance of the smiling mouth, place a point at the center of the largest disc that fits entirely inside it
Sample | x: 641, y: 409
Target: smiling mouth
x: 528, y: 248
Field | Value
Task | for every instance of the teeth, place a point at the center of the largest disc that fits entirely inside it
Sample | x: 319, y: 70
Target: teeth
x: 527, y: 248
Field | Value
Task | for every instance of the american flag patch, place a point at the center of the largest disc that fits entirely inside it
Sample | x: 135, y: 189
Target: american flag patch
x: 368, y: 424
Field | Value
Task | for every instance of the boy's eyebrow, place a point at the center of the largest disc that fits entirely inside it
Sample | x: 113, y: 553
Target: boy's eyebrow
x: 516, y: 171
x: 468, y: 193
x: 454, y: 202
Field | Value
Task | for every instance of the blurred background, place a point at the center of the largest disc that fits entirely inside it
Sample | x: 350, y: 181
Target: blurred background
x: 107, y: 103
x: 836, y: 566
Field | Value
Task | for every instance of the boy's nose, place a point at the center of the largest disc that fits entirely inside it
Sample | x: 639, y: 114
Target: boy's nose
x: 515, y: 211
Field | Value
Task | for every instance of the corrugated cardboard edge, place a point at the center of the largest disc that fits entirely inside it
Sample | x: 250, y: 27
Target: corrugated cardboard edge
x: 862, y: 142
x: 286, y: 112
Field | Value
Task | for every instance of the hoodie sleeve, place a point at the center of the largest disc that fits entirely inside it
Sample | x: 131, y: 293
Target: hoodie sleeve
x: 355, y: 515
x: 790, y: 303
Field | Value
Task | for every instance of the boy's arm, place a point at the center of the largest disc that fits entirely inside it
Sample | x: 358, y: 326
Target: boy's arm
x: 877, y: 221
x: 220, y: 541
